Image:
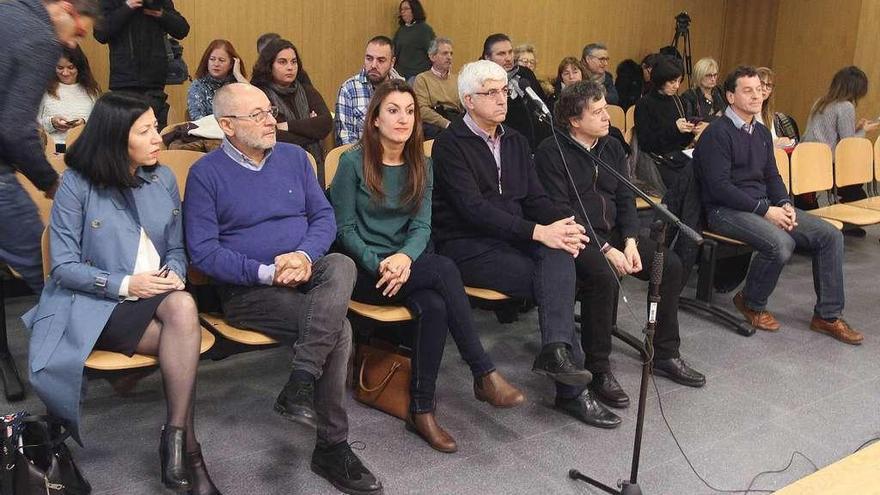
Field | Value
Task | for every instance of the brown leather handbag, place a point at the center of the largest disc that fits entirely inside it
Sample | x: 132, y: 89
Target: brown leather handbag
x: 383, y: 379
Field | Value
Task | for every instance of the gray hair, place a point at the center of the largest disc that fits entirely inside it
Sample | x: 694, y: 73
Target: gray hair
x: 475, y: 74
x: 435, y: 44
x: 592, y: 47
x: 523, y: 48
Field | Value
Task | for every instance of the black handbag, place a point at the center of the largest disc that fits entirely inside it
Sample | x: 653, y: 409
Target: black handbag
x: 36, y: 461
x: 178, y: 72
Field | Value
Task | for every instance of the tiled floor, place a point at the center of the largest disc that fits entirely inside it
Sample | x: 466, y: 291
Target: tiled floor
x: 767, y: 396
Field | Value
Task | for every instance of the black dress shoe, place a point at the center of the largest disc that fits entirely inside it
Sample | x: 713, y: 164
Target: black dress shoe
x: 342, y: 468
x: 606, y: 388
x: 297, y: 402
x: 586, y: 408
x: 172, y: 459
x: 555, y: 361
x: 678, y: 371
x: 199, y: 477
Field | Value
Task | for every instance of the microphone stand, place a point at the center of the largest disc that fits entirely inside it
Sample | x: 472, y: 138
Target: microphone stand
x: 658, y: 235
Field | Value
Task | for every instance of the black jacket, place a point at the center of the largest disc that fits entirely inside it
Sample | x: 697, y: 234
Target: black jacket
x: 656, y: 114
x: 467, y: 202
x: 137, y: 43
x: 609, y: 203
x: 521, y: 111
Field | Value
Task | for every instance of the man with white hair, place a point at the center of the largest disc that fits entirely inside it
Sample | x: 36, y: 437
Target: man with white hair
x: 258, y: 223
x: 492, y: 217
x: 437, y: 89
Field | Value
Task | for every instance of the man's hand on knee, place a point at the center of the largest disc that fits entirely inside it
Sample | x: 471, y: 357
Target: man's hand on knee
x: 292, y: 269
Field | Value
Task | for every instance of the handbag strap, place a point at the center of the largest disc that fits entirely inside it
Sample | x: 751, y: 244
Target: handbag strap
x: 394, y: 367
x: 49, y: 420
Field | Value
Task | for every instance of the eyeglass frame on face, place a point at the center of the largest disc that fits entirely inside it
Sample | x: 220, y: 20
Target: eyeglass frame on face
x: 767, y: 85
x: 258, y: 116
x: 495, y: 92
x: 602, y: 60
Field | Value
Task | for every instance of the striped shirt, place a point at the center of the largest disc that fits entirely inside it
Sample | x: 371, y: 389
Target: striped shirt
x: 351, y: 106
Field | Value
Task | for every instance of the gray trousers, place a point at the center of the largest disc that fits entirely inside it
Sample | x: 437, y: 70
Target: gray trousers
x: 313, y: 318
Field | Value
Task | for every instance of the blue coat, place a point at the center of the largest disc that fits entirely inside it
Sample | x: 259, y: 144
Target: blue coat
x: 93, y: 240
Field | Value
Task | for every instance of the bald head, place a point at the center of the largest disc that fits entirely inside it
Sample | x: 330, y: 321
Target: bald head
x: 238, y: 99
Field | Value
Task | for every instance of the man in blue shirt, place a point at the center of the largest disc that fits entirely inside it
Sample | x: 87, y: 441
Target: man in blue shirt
x: 258, y: 223
x: 745, y: 199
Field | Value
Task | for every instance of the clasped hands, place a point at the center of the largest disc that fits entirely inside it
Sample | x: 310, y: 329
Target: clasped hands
x: 394, y: 271
x: 147, y: 284
x: 625, y: 262
x: 565, y: 234
x: 292, y: 269
x: 783, y: 216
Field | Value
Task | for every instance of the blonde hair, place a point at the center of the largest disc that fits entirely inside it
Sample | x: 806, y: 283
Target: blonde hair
x: 703, y: 67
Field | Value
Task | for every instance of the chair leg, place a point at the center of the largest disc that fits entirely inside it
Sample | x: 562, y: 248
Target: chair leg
x: 12, y: 385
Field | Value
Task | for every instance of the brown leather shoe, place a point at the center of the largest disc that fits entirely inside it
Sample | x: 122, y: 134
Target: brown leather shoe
x: 839, y: 329
x: 497, y: 391
x: 425, y: 425
x: 762, y: 320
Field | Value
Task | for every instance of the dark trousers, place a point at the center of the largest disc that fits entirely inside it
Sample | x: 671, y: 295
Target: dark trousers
x: 157, y: 99
x: 599, y: 284
x: 313, y: 317
x: 20, y: 231
x: 435, y: 295
x: 527, y: 270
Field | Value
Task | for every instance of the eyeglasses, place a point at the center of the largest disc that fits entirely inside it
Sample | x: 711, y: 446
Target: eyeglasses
x: 712, y: 76
x: 258, y: 116
x: 603, y: 60
x: 767, y: 85
x: 495, y: 93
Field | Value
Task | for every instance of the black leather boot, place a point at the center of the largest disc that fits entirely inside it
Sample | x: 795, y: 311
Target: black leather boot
x: 172, y: 457
x: 198, y: 472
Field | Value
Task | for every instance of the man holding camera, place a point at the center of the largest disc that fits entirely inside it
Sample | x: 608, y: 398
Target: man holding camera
x: 136, y: 30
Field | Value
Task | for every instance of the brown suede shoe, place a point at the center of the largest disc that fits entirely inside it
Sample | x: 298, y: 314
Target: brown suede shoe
x: 761, y: 320
x: 839, y: 329
x: 497, y: 391
x: 425, y: 425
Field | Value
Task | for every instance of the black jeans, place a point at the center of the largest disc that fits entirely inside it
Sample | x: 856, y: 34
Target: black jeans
x: 599, y: 283
x: 435, y: 295
x: 528, y: 270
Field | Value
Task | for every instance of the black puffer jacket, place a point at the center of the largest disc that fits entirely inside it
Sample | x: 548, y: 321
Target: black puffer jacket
x: 137, y: 43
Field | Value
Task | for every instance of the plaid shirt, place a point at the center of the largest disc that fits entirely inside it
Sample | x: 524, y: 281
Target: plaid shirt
x: 351, y: 105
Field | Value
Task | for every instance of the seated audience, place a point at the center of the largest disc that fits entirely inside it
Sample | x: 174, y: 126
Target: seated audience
x: 116, y: 279
x: 616, y: 249
x: 492, y: 217
x: 412, y: 39
x: 630, y: 83
x: 437, y: 89
x: 782, y: 128
x: 833, y: 117
x: 521, y: 110
x: 745, y: 199
x: 70, y: 96
x: 704, y: 99
x: 382, y: 198
x: 570, y: 71
x: 524, y: 56
x: 220, y: 65
x: 266, y: 250
x: 648, y: 64
x: 355, y: 93
x: 595, y: 58
x: 303, y: 117
x: 264, y: 40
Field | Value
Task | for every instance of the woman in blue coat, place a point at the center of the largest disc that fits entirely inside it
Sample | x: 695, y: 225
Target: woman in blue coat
x: 116, y: 280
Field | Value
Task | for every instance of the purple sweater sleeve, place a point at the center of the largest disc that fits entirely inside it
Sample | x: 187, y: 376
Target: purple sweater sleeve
x: 322, y: 221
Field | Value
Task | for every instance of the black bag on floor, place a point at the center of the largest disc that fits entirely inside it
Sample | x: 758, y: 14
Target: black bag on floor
x: 35, y: 459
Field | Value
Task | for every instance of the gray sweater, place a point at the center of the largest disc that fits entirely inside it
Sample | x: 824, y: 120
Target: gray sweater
x: 31, y: 51
x: 835, y: 122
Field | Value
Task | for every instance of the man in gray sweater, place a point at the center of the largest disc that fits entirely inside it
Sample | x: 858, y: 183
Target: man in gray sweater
x: 32, y: 33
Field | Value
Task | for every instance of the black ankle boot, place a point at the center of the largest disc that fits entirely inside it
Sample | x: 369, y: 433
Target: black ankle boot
x: 199, y: 477
x: 172, y: 448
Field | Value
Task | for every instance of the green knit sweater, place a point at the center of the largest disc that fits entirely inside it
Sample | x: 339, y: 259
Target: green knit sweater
x: 411, y: 44
x: 369, y: 232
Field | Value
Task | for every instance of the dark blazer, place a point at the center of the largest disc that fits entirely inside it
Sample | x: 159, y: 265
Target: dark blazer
x: 93, y: 240
x: 467, y: 201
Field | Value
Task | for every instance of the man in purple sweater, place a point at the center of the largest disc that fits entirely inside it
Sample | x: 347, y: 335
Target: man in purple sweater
x: 745, y: 199
x: 258, y: 223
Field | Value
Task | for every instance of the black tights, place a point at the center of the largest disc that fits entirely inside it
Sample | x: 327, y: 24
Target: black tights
x: 175, y: 336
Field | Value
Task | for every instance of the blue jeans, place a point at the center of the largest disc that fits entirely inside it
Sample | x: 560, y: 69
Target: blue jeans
x: 775, y: 246
x: 20, y: 231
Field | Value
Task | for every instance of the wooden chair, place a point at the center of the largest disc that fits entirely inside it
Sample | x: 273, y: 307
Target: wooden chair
x: 50, y: 146
x: 331, y: 162
x: 811, y: 171
x: 179, y: 161
x: 631, y: 117
x: 618, y: 117
x: 170, y: 127
x: 628, y: 136
x: 854, y: 164
x: 782, y: 163
x: 113, y: 361
x: 73, y: 135
x: 429, y: 146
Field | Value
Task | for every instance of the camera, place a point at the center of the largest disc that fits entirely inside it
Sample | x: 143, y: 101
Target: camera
x: 154, y: 4
x: 682, y: 22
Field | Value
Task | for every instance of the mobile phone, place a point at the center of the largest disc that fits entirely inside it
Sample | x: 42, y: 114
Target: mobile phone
x: 694, y: 120
x: 163, y: 272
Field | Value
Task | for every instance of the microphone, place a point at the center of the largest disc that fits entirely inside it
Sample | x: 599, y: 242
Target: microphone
x: 542, y: 107
x: 513, y: 83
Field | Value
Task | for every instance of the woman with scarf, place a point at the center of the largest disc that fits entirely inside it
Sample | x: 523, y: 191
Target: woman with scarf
x: 303, y: 117
x: 220, y: 65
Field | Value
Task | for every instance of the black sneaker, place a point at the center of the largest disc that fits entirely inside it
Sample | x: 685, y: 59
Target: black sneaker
x: 340, y: 466
x: 296, y: 402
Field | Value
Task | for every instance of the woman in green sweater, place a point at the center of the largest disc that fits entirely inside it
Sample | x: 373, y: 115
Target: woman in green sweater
x: 382, y: 197
x: 412, y: 39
